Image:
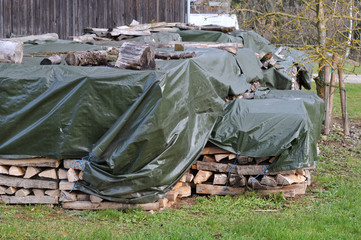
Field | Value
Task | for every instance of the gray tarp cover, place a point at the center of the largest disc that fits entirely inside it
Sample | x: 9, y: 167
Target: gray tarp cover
x: 144, y: 129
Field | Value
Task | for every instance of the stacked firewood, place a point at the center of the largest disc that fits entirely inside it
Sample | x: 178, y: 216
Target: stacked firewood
x: 219, y: 172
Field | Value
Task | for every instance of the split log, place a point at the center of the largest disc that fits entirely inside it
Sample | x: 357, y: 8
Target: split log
x: 208, y: 158
x: 72, y: 175
x: 2, y: 190
x: 66, y: 196
x: 31, y: 162
x: 22, y: 192
x: 52, y: 60
x: 47, y: 36
x: 87, y: 205
x: 95, y: 199
x: 16, y: 171
x: 285, y: 180
x: 62, y: 173
x: 28, y: 200
x: 171, y: 196
x: 82, y: 197
x: 11, y: 51
x: 31, y: 172
x: 188, y: 177
x: 4, y: 170
x: 236, y: 180
x: 218, y: 190
x: 211, y: 149
x: 11, y: 190
x: 38, y: 192
x: 53, y: 193
x: 136, y: 56
x: 202, y: 176
x: 65, y: 185
x: 74, y: 163
x: 131, y: 32
x: 50, y: 173
x: 220, y: 157
x: 220, y: 179
x: 89, y: 58
x: 174, y: 55
x: 268, y: 181
x: 255, y: 184
x: 27, y: 183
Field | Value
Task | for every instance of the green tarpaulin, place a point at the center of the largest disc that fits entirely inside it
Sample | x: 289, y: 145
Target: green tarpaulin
x: 143, y: 129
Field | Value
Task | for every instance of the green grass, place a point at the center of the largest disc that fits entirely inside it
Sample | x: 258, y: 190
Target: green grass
x: 353, y: 93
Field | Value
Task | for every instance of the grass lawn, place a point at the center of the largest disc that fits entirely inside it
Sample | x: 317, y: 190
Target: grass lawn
x: 330, y: 209
x: 350, y: 67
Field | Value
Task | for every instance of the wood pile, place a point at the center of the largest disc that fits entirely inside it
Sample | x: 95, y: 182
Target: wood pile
x: 216, y: 172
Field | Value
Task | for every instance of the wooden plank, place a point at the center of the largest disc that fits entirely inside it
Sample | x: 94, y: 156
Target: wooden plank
x: 218, y: 190
x: 27, y: 183
x: 31, y: 162
x: 225, y: 168
x: 87, y: 205
x: 28, y: 200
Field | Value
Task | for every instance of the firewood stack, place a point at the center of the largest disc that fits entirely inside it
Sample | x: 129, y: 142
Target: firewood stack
x: 216, y: 172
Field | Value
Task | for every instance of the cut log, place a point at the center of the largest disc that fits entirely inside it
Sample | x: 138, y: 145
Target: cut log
x: 89, y: 58
x: 52, y: 60
x: 65, y: 185
x: 50, y: 173
x: 66, y: 196
x: 2, y: 190
x: 16, y: 171
x: 135, y: 56
x: 83, y: 197
x: 11, y: 51
x: 184, y: 191
x: 28, y: 200
x: 22, y: 192
x: 220, y: 157
x: 188, y: 177
x: 255, y: 184
x: 47, y: 36
x: 220, y: 179
x: 31, y: 162
x: 202, y: 176
x: 211, y: 149
x: 208, y: 158
x: 284, y: 180
x: 218, y: 190
x: 268, y: 181
x: 31, y: 172
x: 27, y: 183
x: 176, y: 55
x: 87, y: 205
x: 95, y: 199
x: 232, y: 156
x: 130, y: 32
x: 11, y: 190
x: 53, y: 193
x: 4, y: 170
x: 171, y: 196
x: 236, y: 180
x: 39, y: 192
x: 62, y: 173
x: 72, y: 175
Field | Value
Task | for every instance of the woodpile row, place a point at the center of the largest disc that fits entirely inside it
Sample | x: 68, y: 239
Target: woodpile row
x: 216, y: 172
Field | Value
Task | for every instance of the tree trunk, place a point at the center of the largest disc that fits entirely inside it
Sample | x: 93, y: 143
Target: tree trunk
x: 343, y: 102
x: 92, y: 58
x: 11, y: 51
x: 321, y: 49
x: 136, y: 56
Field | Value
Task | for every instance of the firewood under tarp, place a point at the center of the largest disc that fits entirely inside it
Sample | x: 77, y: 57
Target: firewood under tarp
x: 89, y: 58
x: 136, y: 56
